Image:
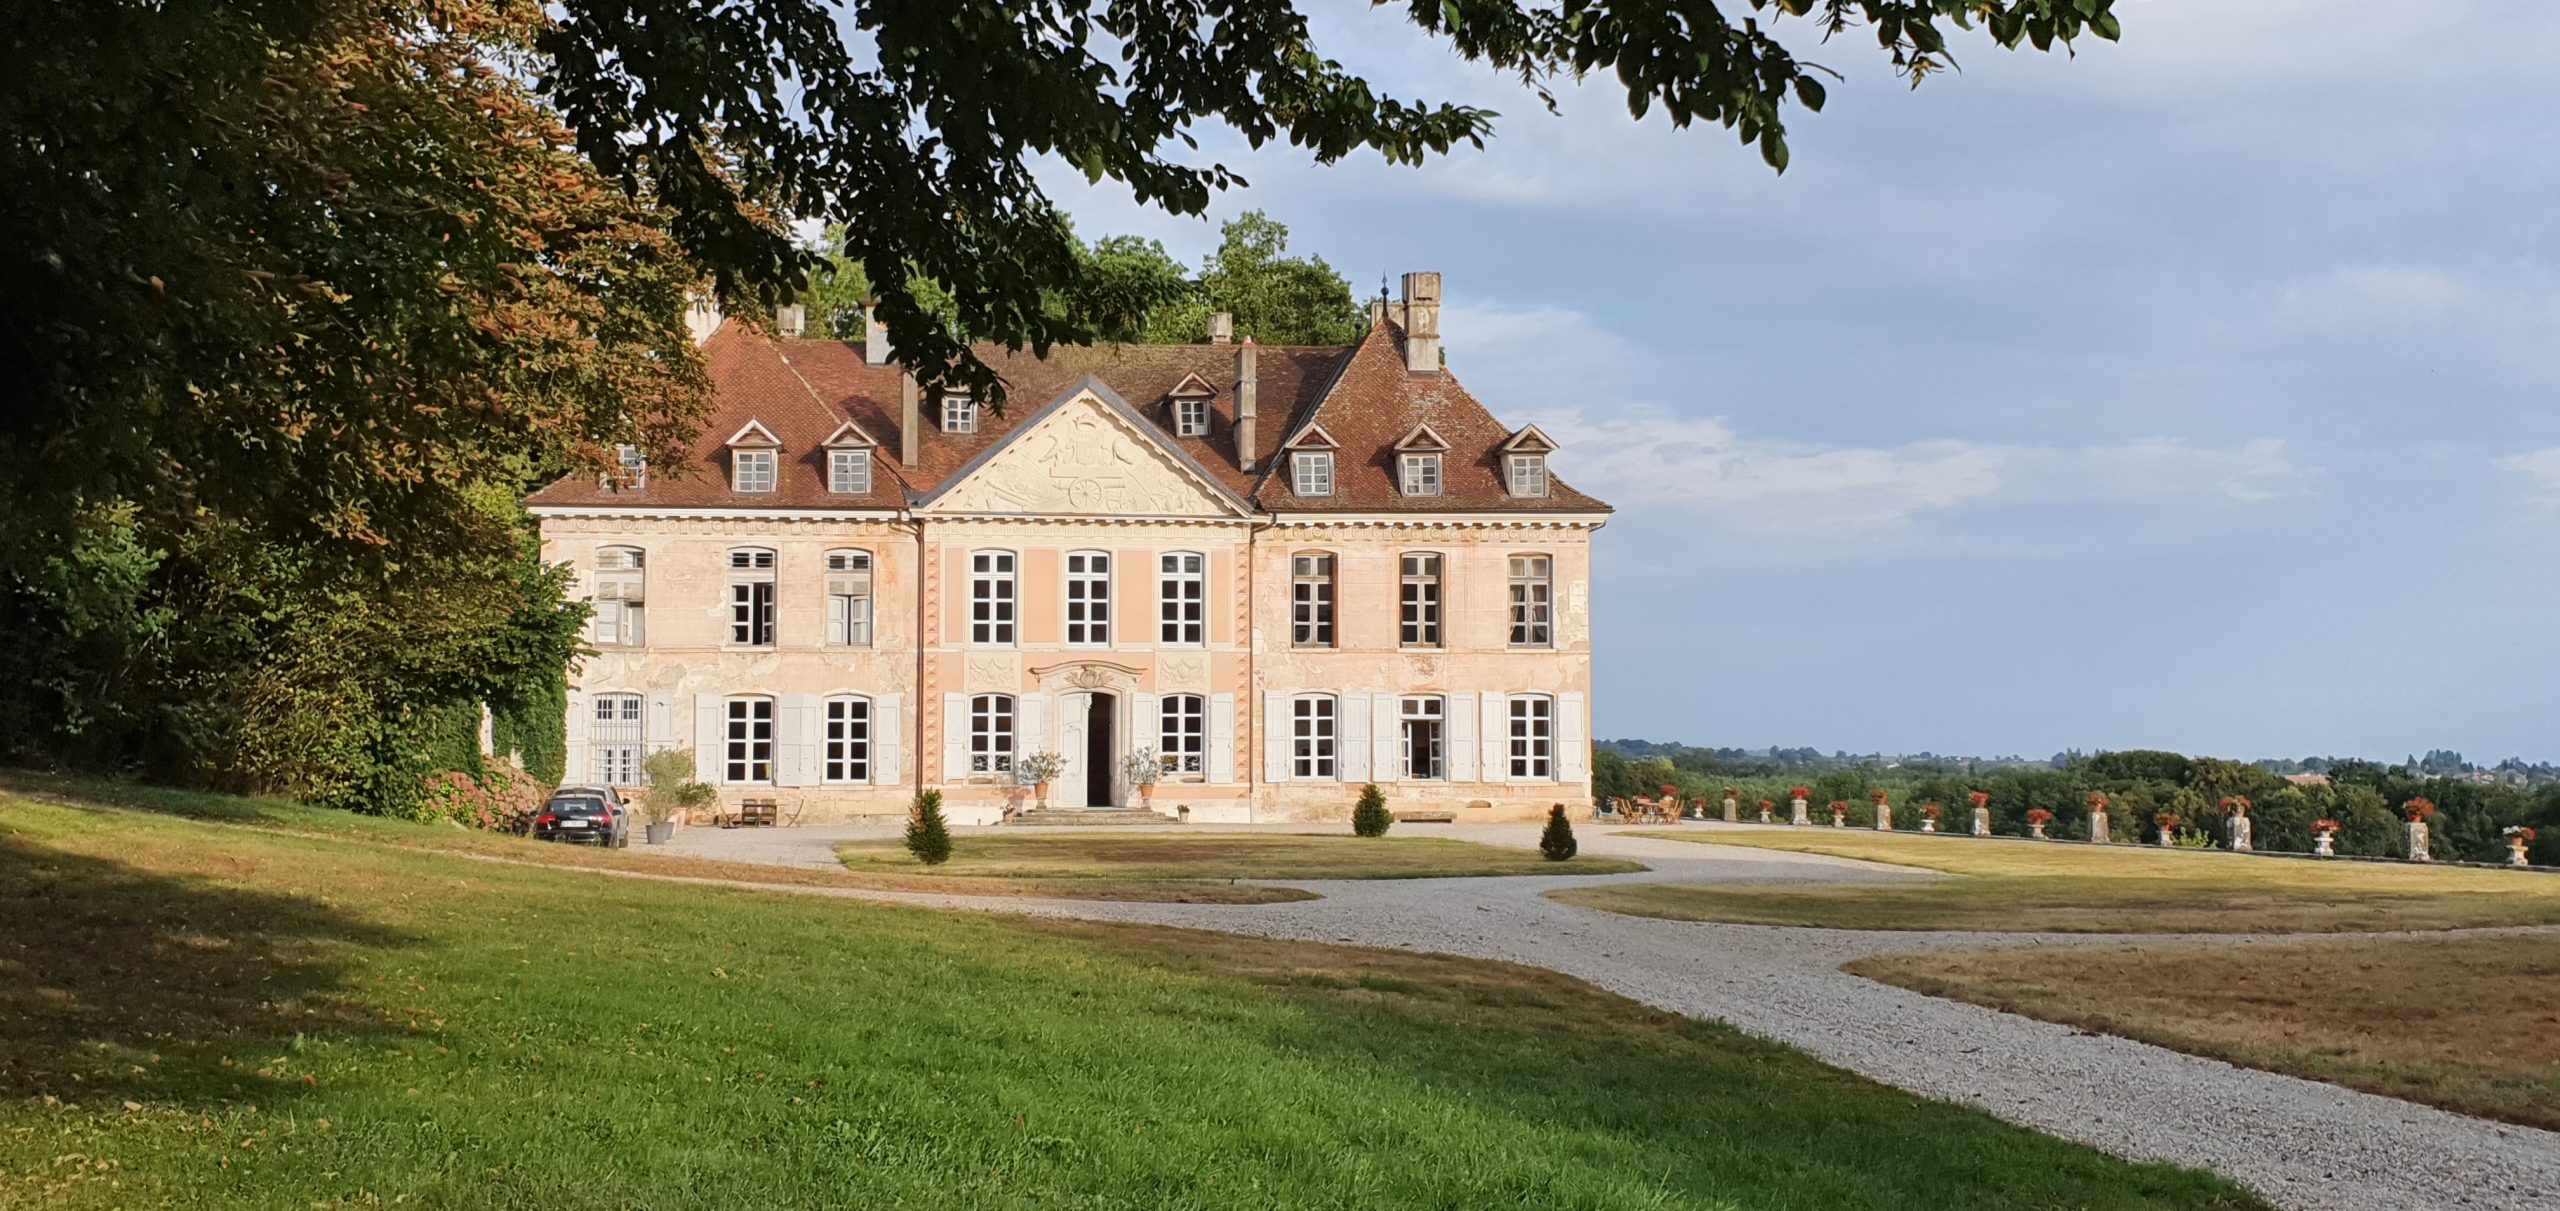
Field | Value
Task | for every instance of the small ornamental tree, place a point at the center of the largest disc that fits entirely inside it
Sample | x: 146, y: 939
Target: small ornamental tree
x: 1371, y: 818
x: 928, y: 838
x: 1557, y: 842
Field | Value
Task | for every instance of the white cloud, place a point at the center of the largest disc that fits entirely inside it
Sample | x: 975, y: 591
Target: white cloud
x: 2543, y: 468
x: 2166, y: 468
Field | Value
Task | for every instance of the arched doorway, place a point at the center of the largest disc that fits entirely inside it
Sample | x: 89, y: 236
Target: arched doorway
x: 1101, y: 748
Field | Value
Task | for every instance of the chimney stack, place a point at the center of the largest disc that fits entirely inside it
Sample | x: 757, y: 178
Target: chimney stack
x: 790, y: 320
x: 909, y: 417
x: 875, y: 338
x: 1222, y: 328
x: 1248, y: 387
x: 1422, y: 323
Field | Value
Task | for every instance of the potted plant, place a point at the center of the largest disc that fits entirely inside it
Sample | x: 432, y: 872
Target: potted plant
x: 2520, y: 837
x: 2420, y: 810
x: 1930, y: 813
x: 2037, y: 818
x: 2324, y: 838
x: 1797, y: 795
x: 2237, y: 807
x: 1981, y: 801
x: 1037, y: 771
x: 1839, y: 813
x: 1765, y: 805
x: 2168, y: 822
x: 2099, y: 832
x: 1884, y: 809
x: 671, y: 791
x: 1143, y: 768
x: 1733, y: 805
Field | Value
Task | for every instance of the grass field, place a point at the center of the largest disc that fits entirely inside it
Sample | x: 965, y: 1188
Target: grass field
x: 1113, y: 855
x: 2057, y: 888
x: 2471, y: 1024
x: 222, y: 1016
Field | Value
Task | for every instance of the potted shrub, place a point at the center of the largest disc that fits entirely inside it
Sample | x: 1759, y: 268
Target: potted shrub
x: 2324, y: 838
x: 1930, y: 814
x: 2037, y: 818
x: 2168, y: 822
x: 1839, y: 813
x: 2420, y: 810
x: 1884, y: 809
x: 671, y: 791
x: 1765, y: 805
x: 1981, y: 801
x: 1797, y: 796
x: 2099, y: 833
x: 1143, y: 768
x: 1037, y: 771
x: 2520, y: 838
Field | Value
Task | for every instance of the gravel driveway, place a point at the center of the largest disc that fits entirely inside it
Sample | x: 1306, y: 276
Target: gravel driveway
x: 2300, y: 1143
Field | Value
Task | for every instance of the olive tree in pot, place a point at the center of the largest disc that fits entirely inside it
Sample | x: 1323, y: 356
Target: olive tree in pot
x: 671, y: 791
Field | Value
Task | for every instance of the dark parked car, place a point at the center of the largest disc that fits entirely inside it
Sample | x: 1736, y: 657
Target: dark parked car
x: 585, y: 815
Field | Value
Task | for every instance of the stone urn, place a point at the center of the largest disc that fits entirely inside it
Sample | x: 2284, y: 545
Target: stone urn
x: 1928, y: 824
x: 2035, y: 829
x: 1982, y: 822
x: 2324, y: 844
x: 1884, y: 817
x: 1796, y: 813
x: 2168, y: 838
x: 2099, y: 832
x: 2241, y: 829
x: 2516, y: 847
x: 1733, y: 811
x: 2418, y: 842
x: 1764, y: 813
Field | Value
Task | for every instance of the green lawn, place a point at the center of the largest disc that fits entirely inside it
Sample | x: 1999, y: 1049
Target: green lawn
x: 1104, y: 853
x: 2067, y: 888
x: 206, y: 1015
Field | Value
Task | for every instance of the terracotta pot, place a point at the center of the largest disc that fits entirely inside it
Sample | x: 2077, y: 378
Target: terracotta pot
x: 1147, y: 792
x: 1042, y: 790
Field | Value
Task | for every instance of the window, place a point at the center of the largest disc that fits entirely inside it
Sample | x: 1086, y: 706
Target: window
x: 991, y: 597
x: 1311, y: 472
x: 1528, y: 474
x: 621, y: 599
x: 1088, y: 598
x: 1533, y: 737
x: 1422, y: 719
x: 1312, y: 726
x: 1311, y: 600
x: 1421, y: 474
x: 613, y: 740
x: 751, y: 597
x: 991, y: 734
x: 751, y: 470
x: 631, y: 467
x: 848, y: 739
x: 750, y: 740
x: 849, y: 598
x: 1419, y: 612
x: 849, y: 470
x: 1179, y: 741
x: 959, y: 412
x: 1532, y: 613
x: 1191, y: 416
x: 1183, y: 596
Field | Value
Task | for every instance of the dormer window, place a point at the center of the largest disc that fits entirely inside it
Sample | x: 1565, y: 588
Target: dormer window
x: 1526, y: 473
x: 631, y: 467
x: 959, y: 412
x: 1311, y: 472
x: 751, y: 470
x: 1420, y: 474
x: 849, y: 470
x: 1191, y: 416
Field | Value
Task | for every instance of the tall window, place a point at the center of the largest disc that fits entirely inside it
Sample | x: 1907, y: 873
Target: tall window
x: 849, y: 470
x: 1180, y: 741
x: 750, y: 740
x: 751, y: 470
x: 1528, y: 473
x: 1421, y: 474
x: 751, y: 597
x: 1311, y: 472
x: 849, y: 739
x: 1312, y: 729
x: 991, y: 734
x: 613, y: 739
x: 1418, y: 622
x: 1422, y: 720
x: 1533, y: 737
x: 1532, y: 601
x: 959, y: 413
x: 849, y: 598
x: 1088, y: 598
x: 1184, y: 594
x: 1311, y: 600
x: 622, y: 590
x: 991, y: 597
x: 1191, y: 416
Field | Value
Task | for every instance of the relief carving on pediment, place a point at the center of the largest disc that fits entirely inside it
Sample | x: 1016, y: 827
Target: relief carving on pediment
x: 1083, y: 459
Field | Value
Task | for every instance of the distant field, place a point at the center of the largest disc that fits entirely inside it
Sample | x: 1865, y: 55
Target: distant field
x: 2061, y: 888
x: 2471, y: 1024
x: 1111, y: 854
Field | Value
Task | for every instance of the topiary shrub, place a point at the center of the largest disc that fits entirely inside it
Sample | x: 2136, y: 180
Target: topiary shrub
x: 1557, y: 842
x: 928, y: 838
x: 1371, y: 818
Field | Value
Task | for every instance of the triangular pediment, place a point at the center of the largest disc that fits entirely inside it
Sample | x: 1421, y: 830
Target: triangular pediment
x: 1313, y: 437
x: 1087, y: 454
x: 848, y: 434
x: 1530, y: 439
x: 1191, y: 384
x: 1423, y: 437
x: 754, y: 436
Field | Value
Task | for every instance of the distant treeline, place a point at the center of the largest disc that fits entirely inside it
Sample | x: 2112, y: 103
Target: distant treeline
x: 2365, y: 798
x: 1776, y: 759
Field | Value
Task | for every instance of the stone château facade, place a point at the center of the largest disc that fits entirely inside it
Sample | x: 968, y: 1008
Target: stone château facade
x: 1287, y: 570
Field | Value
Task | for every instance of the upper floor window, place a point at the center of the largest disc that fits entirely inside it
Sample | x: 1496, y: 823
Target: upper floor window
x: 751, y: 606
x: 849, y: 598
x: 614, y: 734
x: 1179, y: 740
x: 1420, y: 474
x: 621, y: 597
x: 1533, y: 736
x: 748, y: 742
x: 1088, y: 598
x: 1311, y: 734
x: 1191, y: 416
x: 751, y: 470
x: 1532, y: 605
x: 848, y: 757
x: 991, y: 597
x: 991, y: 734
x: 631, y: 467
x: 959, y: 412
x: 1184, y: 598
x: 849, y: 470
x: 1311, y: 600
x: 1311, y: 472
x: 1527, y: 474
x: 1418, y: 609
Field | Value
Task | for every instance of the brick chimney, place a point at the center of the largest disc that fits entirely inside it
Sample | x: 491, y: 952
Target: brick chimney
x: 909, y: 418
x: 875, y: 338
x: 1248, y: 388
x: 1222, y: 328
x: 1421, y: 308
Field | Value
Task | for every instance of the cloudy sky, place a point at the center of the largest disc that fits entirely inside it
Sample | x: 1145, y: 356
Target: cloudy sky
x: 2194, y: 393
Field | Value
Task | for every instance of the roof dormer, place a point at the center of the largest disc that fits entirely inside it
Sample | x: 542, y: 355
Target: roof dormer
x: 849, y: 460
x: 1187, y: 405
x: 754, y: 453
x: 1524, y: 462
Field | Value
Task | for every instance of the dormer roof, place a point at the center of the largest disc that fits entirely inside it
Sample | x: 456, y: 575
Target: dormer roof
x: 1530, y: 439
x: 1191, y: 385
x: 1423, y: 438
x: 753, y: 436
x: 848, y: 434
x: 1313, y: 437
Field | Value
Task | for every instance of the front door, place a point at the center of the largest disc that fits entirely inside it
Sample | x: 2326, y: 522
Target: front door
x: 1101, y: 761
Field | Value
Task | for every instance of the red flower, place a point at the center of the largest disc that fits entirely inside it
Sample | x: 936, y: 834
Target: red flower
x: 2097, y: 801
x: 1932, y: 810
x: 1732, y: 793
x: 2419, y: 809
x: 1799, y: 792
x: 2168, y: 821
x: 2324, y: 825
x: 1766, y: 805
x: 2236, y: 805
x: 1839, y: 807
x: 1980, y: 798
x: 2038, y: 815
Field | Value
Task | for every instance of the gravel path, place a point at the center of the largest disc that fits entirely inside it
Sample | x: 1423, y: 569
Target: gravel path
x: 2300, y: 1143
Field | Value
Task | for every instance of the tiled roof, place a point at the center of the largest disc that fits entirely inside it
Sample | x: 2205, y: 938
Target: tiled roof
x: 804, y: 390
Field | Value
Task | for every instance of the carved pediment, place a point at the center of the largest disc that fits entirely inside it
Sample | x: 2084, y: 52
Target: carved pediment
x: 1084, y: 457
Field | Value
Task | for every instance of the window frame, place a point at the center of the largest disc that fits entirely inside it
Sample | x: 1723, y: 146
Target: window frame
x: 995, y: 598
x: 992, y: 737
x: 617, y: 738
x: 760, y: 464
x: 840, y: 752
x: 1525, y: 473
x: 959, y: 412
x: 1306, y: 467
x: 1420, y: 599
x: 1438, y: 717
x: 1531, y: 736
x: 849, y: 470
x: 1414, y: 467
x: 1312, y: 600
x: 1182, y: 734
x: 1531, y: 598
x: 1087, y: 595
x: 621, y: 595
x: 739, y: 753
x: 849, y: 625
x: 1191, y: 415
x: 755, y: 597
x: 1315, y: 738
x: 1173, y: 603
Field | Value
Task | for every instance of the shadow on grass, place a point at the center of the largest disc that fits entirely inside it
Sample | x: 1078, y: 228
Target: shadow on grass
x: 121, y: 983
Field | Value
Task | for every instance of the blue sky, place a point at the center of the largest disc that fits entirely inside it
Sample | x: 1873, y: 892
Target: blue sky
x: 2195, y: 393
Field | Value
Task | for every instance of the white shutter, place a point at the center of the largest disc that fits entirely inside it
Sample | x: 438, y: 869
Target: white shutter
x: 795, y: 740
x: 1222, y: 738
x: 1031, y: 727
x: 708, y: 739
x: 1276, y: 723
x: 1146, y: 727
x: 1495, y: 737
x: 1573, y: 751
x: 1458, y: 745
x: 575, y: 768
x: 1351, y: 736
x: 888, y: 725
x: 838, y: 607
x: 955, y: 737
x: 1386, y: 759
x: 661, y: 733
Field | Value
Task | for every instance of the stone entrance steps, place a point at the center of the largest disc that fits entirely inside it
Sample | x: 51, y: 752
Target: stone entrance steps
x: 1094, y: 816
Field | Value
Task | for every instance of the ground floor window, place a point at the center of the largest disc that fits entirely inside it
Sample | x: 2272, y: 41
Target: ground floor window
x: 613, y: 740
x: 848, y: 740
x: 1422, y: 720
x: 749, y: 740
x: 1179, y: 741
x: 1533, y: 746
x: 1313, y: 732
x: 991, y: 734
